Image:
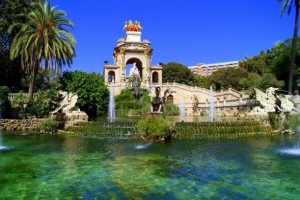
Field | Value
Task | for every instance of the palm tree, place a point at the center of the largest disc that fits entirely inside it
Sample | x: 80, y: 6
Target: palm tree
x: 42, y: 40
x: 289, y: 4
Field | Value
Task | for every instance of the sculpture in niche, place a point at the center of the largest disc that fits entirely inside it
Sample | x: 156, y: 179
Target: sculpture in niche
x: 134, y: 71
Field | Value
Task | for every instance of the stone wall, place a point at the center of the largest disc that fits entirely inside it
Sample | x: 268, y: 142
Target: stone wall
x: 19, y: 124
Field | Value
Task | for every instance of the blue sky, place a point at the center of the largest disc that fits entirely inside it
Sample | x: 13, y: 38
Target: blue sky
x: 188, y: 32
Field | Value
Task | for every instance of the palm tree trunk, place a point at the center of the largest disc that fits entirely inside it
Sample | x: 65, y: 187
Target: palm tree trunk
x: 294, y: 48
x: 32, y: 82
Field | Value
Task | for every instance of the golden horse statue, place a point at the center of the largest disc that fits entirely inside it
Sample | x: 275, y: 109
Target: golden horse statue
x: 132, y: 26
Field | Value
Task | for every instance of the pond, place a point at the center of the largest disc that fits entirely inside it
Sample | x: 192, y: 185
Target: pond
x: 49, y: 167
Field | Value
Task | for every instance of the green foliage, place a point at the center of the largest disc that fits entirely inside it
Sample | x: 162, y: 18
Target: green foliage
x: 48, y: 126
x: 289, y: 4
x: 20, y: 100
x: 202, y: 81
x: 44, y: 101
x: 176, y: 72
x: 269, y: 80
x: 10, y: 70
x: 292, y: 122
x: 228, y: 78
x: 103, y: 129
x: 203, y: 113
x: 195, y: 104
x: 274, y: 120
x: 126, y: 104
x: 254, y: 80
x: 45, y: 79
x: 4, y: 102
x: 171, y: 109
x: 155, y: 127
x: 91, y: 90
x: 274, y: 61
x: 42, y: 39
x: 257, y: 64
x: 217, y: 130
x: 126, y: 100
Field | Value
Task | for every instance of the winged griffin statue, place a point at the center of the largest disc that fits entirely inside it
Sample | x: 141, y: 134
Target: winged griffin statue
x: 272, y: 102
x: 67, y: 103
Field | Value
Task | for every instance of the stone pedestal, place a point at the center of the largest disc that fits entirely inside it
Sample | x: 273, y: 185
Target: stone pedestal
x: 75, y: 116
x: 133, y: 36
x: 69, y: 119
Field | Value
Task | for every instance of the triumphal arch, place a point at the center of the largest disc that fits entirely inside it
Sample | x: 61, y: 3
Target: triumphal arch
x: 132, y: 50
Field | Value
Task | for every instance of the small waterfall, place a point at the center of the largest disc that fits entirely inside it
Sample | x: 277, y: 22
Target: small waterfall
x: 182, y: 110
x: 212, y: 105
x: 111, y: 105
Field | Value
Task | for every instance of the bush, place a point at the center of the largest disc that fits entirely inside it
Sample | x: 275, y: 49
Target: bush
x: 91, y: 90
x: 4, y: 102
x: 155, y: 127
x: 126, y: 104
x: 203, y: 113
x: 171, y: 109
x: 44, y: 101
x: 292, y: 122
x: 48, y: 126
x: 274, y: 121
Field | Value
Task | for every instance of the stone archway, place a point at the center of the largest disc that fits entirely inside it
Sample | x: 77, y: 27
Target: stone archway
x: 111, y: 76
x: 132, y: 49
x: 154, y: 77
x: 170, y: 99
x: 138, y: 63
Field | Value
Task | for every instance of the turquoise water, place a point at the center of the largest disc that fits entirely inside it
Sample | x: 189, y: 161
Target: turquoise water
x: 52, y: 167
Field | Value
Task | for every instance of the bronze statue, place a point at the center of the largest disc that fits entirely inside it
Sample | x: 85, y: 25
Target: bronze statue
x: 156, y: 101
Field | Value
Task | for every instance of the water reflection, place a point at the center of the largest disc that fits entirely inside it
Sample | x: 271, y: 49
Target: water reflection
x: 142, y: 146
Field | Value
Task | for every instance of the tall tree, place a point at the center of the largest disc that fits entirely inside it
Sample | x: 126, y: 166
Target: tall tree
x: 176, y: 72
x: 91, y: 90
x: 288, y: 4
x: 10, y: 71
x: 42, y: 40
